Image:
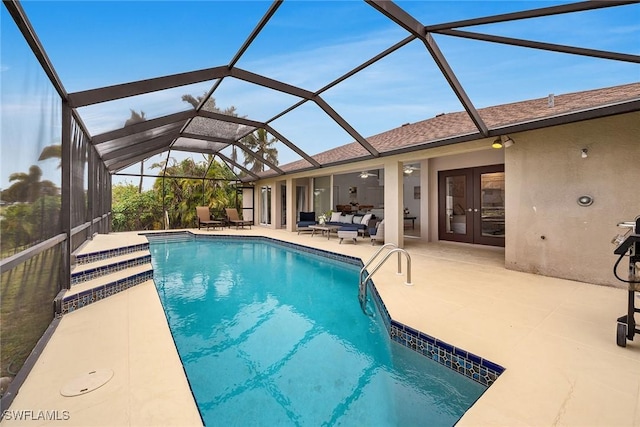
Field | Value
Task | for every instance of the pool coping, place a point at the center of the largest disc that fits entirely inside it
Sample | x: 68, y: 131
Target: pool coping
x: 470, y: 365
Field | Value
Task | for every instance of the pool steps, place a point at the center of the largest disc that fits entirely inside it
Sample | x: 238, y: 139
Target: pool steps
x: 92, y: 270
x: 98, y: 275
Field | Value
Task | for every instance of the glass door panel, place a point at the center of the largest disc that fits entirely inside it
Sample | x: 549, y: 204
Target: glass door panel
x: 490, y: 219
x: 265, y: 205
x: 492, y: 203
x: 456, y: 204
x: 455, y: 219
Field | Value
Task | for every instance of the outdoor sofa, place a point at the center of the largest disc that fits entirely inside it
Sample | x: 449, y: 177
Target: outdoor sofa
x: 306, y: 219
x: 357, y: 222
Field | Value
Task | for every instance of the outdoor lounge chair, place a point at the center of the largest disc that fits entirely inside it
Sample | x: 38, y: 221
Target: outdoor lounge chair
x: 234, y: 218
x: 306, y: 219
x: 377, y: 233
x: 204, y: 218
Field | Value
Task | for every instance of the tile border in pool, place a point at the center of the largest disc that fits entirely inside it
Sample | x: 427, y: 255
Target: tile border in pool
x: 465, y: 363
x: 92, y: 273
x: 468, y: 364
x: 109, y: 253
x: 177, y: 236
x: 300, y: 248
x: 73, y: 302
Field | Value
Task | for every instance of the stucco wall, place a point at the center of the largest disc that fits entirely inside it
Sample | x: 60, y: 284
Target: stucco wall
x: 547, y: 232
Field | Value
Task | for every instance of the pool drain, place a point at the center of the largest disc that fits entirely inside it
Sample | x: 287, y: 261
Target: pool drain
x: 86, y: 382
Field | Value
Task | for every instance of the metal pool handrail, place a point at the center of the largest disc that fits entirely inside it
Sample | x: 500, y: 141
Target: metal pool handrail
x: 362, y: 294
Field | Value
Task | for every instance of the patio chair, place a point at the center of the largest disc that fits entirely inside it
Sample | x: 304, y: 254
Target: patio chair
x: 377, y: 233
x: 306, y: 219
x: 204, y: 218
x: 234, y: 218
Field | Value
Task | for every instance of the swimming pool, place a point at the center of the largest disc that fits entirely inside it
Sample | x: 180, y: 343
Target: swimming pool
x: 269, y: 335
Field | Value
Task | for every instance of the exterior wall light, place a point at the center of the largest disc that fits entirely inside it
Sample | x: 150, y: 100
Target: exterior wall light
x: 503, y: 141
x: 585, y: 200
x: 584, y: 154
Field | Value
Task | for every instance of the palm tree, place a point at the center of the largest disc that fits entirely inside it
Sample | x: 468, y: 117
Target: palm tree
x: 52, y: 152
x: 260, y: 143
x: 35, y: 216
x: 183, y: 193
x: 27, y: 187
x: 137, y: 118
x: 210, y: 105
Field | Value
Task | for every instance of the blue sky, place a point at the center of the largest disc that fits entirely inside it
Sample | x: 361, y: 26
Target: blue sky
x: 308, y: 44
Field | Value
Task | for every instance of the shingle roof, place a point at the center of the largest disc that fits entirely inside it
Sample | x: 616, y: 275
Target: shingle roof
x: 451, y: 125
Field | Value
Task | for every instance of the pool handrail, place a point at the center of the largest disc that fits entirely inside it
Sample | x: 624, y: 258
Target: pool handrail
x: 362, y: 294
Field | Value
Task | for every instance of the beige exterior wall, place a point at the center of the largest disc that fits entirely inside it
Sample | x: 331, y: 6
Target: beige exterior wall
x: 547, y: 231
x: 545, y: 174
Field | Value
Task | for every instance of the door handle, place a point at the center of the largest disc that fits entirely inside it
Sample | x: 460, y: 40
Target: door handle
x: 469, y: 209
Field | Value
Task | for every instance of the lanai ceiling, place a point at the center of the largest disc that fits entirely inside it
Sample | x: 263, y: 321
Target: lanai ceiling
x: 310, y: 110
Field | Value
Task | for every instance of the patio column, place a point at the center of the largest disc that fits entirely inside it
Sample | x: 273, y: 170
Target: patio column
x: 424, y: 200
x: 276, y: 205
x: 393, y: 203
x: 291, y: 204
x: 275, y: 197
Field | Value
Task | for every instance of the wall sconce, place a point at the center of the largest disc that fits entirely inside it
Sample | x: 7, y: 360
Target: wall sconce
x: 585, y: 200
x: 584, y: 154
x: 503, y: 141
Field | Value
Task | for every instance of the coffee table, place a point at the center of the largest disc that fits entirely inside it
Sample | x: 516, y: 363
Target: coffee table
x: 348, y: 234
x: 324, y: 229
x: 413, y: 221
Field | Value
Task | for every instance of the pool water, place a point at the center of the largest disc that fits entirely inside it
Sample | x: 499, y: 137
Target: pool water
x: 272, y: 336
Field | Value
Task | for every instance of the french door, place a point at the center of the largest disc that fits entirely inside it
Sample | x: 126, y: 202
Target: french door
x: 471, y: 205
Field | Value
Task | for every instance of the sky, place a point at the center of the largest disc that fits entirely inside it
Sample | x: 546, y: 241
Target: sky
x: 308, y: 44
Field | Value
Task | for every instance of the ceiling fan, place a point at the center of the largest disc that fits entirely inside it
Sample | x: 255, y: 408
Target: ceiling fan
x: 408, y: 169
x: 367, y: 174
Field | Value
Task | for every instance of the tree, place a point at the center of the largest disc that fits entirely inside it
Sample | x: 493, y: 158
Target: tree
x: 137, y: 118
x: 133, y: 210
x: 27, y: 187
x: 52, y: 152
x: 26, y: 223
x: 182, y: 195
x: 210, y: 105
x: 260, y: 143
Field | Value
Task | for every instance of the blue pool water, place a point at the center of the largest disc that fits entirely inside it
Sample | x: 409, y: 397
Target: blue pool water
x: 272, y: 336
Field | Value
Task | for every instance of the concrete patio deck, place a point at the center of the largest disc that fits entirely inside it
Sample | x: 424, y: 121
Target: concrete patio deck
x: 556, y: 339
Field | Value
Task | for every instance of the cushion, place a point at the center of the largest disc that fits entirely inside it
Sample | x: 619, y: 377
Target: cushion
x: 349, y: 227
x: 303, y: 224
x: 335, y: 216
x: 365, y: 219
x: 357, y: 219
x: 347, y: 219
x: 307, y: 216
